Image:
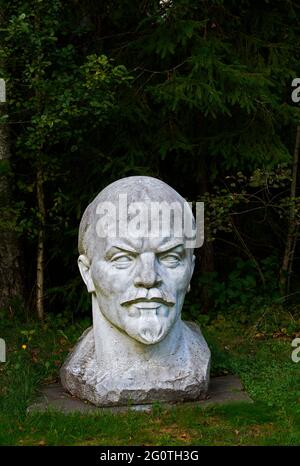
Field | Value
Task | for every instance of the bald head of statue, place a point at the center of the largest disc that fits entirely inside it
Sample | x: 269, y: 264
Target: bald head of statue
x: 134, y: 257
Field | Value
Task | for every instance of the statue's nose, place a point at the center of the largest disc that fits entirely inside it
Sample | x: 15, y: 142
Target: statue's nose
x: 147, y: 274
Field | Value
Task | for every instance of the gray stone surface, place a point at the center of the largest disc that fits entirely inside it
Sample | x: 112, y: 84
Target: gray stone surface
x: 184, y: 376
x: 137, y: 268
x: 222, y: 390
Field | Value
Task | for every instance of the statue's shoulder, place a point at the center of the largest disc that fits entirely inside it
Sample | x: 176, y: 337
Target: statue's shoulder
x: 194, y: 340
x: 192, y: 326
x: 83, y: 350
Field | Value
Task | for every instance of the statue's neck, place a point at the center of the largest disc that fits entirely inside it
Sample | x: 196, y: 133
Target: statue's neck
x: 115, y: 347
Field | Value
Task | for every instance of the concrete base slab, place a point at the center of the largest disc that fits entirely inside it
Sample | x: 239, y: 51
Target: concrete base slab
x: 222, y: 389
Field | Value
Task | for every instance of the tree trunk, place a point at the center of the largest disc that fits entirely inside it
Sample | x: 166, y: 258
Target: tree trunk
x: 288, y: 256
x: 11, y: 282
x: 40, y: 246
x: 206, y: 253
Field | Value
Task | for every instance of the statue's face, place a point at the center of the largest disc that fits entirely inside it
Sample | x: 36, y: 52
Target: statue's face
x: 140, y: 284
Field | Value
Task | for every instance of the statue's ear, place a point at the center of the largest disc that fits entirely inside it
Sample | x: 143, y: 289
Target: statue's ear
x: 85, y: 271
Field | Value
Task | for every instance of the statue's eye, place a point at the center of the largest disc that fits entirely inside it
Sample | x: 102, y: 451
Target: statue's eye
x: 170, y: 260
x: 122, y: 260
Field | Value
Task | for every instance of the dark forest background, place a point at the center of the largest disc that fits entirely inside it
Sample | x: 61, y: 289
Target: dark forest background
x: 196, y: 93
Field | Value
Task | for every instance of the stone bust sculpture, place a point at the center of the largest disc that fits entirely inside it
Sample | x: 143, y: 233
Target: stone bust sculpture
x: 138, y: 350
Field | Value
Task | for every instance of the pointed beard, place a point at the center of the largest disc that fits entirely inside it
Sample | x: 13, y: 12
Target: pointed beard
x: 148, y: 326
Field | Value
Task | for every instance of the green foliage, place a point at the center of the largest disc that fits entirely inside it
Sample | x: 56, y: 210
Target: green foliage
x: 221, y: 92
x: 21, y: 385
x: 241, y: 285
x: 264, y: 366
x: 190, y: 92
x: 195, y: 93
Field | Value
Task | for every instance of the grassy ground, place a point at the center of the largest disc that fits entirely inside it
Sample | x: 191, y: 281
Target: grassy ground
x: 261, y: 359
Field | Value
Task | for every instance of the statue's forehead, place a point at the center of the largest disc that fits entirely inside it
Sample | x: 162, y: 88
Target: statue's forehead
x: 157, y: 244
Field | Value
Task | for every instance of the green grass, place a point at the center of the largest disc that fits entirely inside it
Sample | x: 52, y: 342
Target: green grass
x: 263, y: 363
